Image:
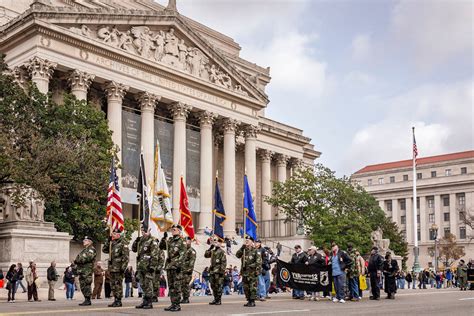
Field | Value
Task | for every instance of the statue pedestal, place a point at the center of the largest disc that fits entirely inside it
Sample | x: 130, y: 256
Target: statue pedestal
x: 23, y: 241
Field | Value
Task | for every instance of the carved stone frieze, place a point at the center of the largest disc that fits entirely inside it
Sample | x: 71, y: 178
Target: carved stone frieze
x: 80, y: 80
x: 115, y: 90
x: 148, y: 100
x: 40, y: 68
x: 162, y: 46
x: 180, y: 111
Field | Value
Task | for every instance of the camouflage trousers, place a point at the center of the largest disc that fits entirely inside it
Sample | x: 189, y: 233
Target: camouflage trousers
x: 146, y: 283
x: 116, y: 281
x: 185, y: 287
x: 250, y: 287
x: 174, y: 285
x: 85, y: 280
x: 156, y: 283
x: 217, y: 284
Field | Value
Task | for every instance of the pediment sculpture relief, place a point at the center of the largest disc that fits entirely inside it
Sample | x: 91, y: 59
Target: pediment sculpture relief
x: 163, y: 47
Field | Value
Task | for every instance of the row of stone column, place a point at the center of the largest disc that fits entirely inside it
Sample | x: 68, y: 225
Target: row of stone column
x: 41, y: 71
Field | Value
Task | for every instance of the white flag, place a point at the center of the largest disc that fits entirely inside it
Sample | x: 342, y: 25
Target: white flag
x: 161, y: 205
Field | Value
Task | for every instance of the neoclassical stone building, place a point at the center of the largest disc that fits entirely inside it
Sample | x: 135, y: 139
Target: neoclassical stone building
x: 159, y: 75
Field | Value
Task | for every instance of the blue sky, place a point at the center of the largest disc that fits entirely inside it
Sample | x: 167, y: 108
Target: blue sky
x: 358, y: 74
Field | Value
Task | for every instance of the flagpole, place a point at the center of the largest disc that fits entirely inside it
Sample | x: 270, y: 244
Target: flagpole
x: 213, y: 210
x: 416, y: 264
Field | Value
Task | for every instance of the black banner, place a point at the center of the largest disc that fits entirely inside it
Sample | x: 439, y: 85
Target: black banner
x: 470, y: 275
x: 314, y: 278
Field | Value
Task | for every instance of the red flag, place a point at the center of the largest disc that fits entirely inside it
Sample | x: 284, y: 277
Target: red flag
x: 186, y: 219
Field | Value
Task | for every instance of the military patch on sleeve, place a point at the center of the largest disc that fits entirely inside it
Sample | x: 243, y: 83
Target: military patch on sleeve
x: 91, y: 251
x: 145, y: 248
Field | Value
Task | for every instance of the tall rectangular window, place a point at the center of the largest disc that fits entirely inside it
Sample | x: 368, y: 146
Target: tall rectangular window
x: 419, y: 176
x: 430, y: 202
x: 418, y: 202
x: 418, y: 234
x: 461, y: 199
x: 446, y: 217
x: 447, y: 172
x: 403, y: 219
x: 447, y: 231
x: 432, y: 234
x: 392, y: 179
x: 433, y: 174
x: 462, y: 232
x: 462, y: 216
x: 446, y: 200
x: 463, y: 170
x: 389, y: 205
x: 403, y: 204
x: 380, y: 180
x: 369, y: 182
x: 431, y: 218
x: 405, y: 177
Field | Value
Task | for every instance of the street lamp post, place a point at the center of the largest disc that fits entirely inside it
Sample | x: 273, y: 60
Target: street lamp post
x: 300, y: 228
x: 434, y: 228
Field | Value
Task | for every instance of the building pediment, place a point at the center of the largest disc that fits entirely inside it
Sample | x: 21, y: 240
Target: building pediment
x: 162, y: 37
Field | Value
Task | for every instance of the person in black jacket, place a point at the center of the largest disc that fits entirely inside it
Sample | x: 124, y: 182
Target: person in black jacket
x: 12, y: 277
x: 314, y: 258
x: 52, y: 276
x: 390, y: 271
x: 129, y: 274
x: 299, y: 257
x: 375, y: 272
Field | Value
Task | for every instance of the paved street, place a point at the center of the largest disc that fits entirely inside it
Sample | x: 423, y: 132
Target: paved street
x: 415, y: 302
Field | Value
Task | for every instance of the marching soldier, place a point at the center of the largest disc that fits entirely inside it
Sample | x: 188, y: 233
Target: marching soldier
x: 159, y: 270
x: 85, y: 265
x: 176, y: 250
x: 188, y: 268
x: 217, y: 269
x: 147, y: 251
x: 117, y: 245
x: 462, y: 275
x: 251, y: 268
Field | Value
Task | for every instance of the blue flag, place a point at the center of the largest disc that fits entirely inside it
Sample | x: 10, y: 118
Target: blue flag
x: 250, y: 217
x: 219, y: 214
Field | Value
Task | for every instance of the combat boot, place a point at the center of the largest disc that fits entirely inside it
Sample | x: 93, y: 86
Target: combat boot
x: 218, y: 301
x: 185, y: 301
x: 247, y: 304
x: 155, y: 299
x: 142, y: 304
x: 251, y: 303
x: 175, y: 308
x: 148, y: 304
x: 214, y: 301
x: 116, y: 303
x: 87, y: 301
x: 169, y: 307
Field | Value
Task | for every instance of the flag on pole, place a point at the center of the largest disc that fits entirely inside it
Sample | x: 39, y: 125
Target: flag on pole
x: 186, y: 219
x: 161, y: 205
x: 114, y: 201
x: 219, y: 214
x: 415, y: 149
x: 142, y: 194
x: 250, y: 217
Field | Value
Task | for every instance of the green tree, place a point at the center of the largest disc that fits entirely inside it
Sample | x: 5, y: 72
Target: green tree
x: 61, y: 151
x: 335, y: 209
x: 450, y: 250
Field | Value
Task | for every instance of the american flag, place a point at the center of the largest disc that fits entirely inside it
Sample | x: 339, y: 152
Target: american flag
x: 415, y: 149
x: 114, y: 202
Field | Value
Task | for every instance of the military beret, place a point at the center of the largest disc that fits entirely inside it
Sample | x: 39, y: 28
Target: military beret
x: 249, y: 237
x: 177, y: 226
x: 86, y: 238
x: 258, y: 240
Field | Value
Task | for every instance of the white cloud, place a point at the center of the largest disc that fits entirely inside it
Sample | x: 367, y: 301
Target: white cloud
x: 361, y: 47
x: 442, y: 116
x: 357, y: 78
x: 434, y: 31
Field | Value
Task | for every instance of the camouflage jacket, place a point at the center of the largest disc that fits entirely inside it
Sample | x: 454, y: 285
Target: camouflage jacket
x: 218, y: 260
x: 462, y: 271
x: 352, y: 270
x: 118, y: 260
x: 251, y: 261
x: 176, y: 250
x: 148, y: 253
x: 85, y: 260
x: 189, y: 259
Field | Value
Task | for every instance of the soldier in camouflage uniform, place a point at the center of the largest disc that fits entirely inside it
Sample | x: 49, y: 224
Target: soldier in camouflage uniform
x: 216, y: 270
x: 176, y: 250
x: 158, y: 272
x: 353, y: 274
x: 85, y: 265
x: 188, y: 268
x: 251, y: 268
x: 147, y: 250
x: 117, y: 245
